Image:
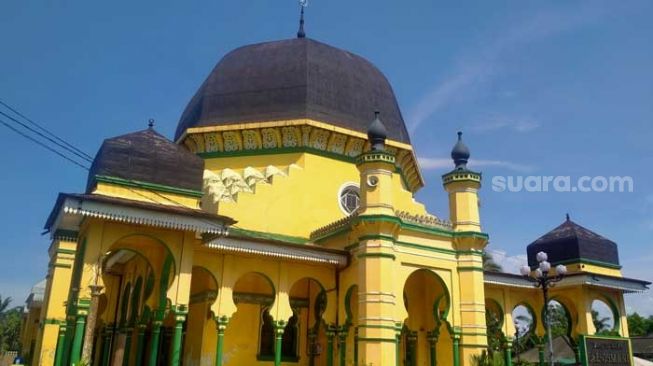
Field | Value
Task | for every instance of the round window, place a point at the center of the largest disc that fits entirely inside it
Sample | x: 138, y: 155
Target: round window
x: 350, y: 199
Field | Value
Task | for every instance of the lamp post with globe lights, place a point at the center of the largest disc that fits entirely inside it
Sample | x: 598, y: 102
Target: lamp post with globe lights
x: 540, y: 278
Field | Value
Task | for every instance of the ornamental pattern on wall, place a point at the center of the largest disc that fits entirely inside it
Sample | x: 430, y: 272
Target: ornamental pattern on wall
x: 285, y: 138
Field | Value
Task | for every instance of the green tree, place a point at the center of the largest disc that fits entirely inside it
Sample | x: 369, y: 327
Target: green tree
x: 489, y: 264
x: 601, y: 324
x: 10, y: 323
x: 640, y: 326
x: 559, y: 320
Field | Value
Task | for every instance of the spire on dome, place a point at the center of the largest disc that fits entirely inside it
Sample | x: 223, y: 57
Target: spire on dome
x: 460, y: 153
x: 377, y: 133
x: 301, y: 33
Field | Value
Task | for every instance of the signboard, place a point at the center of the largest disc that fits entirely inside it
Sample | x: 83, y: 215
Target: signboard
x: 606, y: 351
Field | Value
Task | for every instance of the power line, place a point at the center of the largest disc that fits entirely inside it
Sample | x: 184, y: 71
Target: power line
x: 47, y: 138
x: 138, y: 184
x: 45, y: 129
x: 42, y: 144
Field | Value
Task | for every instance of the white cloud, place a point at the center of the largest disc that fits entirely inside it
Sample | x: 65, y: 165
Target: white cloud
x: 446, y: 163
x: 477, y: 67
x: 510, y: 264
x: 518, y: 125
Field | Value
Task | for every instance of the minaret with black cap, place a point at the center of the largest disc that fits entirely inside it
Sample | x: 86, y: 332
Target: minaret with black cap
x: 376, y: 229
x: 376, y: 168
x: 462, y: 185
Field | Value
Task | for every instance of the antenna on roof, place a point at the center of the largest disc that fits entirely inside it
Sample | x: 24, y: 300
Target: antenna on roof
x: 567, y: 216
x: 300, y: 32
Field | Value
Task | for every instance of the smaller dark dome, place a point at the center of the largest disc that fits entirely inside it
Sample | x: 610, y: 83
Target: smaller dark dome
x: 377, y: 133
x: 570, y: 242
x: 147, y: 156
x: 460, y: 153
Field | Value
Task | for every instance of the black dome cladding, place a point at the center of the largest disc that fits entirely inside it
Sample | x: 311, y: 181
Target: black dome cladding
x: 294, y: 79
x: 147, y: 156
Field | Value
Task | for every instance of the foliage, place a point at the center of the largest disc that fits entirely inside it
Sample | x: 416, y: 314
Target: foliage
x: 601, y: 325
x: 495, y: 335
x: 639, y: 326
x: 10, y: 324
x: 489, y: 264
x: 559, y: 320
x: 486, y: 360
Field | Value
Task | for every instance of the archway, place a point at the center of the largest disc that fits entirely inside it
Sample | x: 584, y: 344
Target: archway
x: 425, y: 336
x: 351, y: 323
x: 305, y: 333
x: 201, y: 335
x: 525, y: 323
x: 250, y: 334
x: 148, y: 265
x: 494, y: 320
x: 605, y: 317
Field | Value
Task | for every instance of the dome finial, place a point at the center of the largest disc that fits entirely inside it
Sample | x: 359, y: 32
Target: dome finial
x: 567, y: 216
x: 460, y: 153
x: 150, y: 123
x: 377, y: 133
x: 300, y: 32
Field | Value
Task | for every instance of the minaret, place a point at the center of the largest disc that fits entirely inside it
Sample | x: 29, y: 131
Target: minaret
x: 462, y: 185
x: 376, y: 228
x: 376, y: 168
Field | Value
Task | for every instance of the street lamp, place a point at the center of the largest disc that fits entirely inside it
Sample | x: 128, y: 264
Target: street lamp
x: 540, y: 278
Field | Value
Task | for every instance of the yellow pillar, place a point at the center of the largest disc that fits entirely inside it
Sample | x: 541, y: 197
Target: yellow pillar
x: 53, y: 312
x: 377, y: 229
x: 463, y: 185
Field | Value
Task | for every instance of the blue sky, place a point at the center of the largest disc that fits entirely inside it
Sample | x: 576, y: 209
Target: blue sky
x: 540, y: 88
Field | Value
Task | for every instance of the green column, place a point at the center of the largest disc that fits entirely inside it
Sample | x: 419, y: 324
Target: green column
x: 456, y: 347
x: 540, y: 351
x: 61, y: 340
x: 154, y: 345
x: 329, y: 356
x: 398, y: 327
x: 140, y: 343
x: 432, y: 338
x: 78, y: 340
x: 356, y: 346
x: 180, y: 318
x: 507, y: 352
x: 68, y: 339
x: 342, y: 345
x: 106, y: 345
x: 412, y: 344
x: 221, y: 327
x: 279, y: 327
x: 128, y: 331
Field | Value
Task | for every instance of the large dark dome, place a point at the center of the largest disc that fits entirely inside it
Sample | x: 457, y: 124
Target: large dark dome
x: 294, y: 79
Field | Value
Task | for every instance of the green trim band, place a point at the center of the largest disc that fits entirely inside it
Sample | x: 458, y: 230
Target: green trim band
x: 61, y: 265
x: 66, y: 251
x: 388, y: 340
x: 54, y: 321
x: 61, y: 234
x: 269, y: 236
x: 470, y: 269
x: 150, y: 186
x: 377, y: 326
x: 588, y: 261
x: 377, y: 237
x: 377, y: 255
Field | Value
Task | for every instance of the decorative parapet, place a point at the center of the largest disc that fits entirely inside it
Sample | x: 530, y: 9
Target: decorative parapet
x: 296, y: 136
x: 225, y: 185
x: 461, y: 175
x: 424, y: 220
x: 334, y: 227
x: 427, y: 221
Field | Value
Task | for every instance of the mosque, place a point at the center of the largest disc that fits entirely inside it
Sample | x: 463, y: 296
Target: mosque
x: 280, y: 227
